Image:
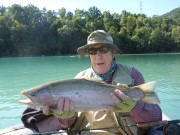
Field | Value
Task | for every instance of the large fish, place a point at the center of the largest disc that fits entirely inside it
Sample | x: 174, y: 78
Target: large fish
x: 86, y: 94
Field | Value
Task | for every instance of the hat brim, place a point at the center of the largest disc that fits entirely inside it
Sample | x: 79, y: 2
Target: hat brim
x: 83, y: 49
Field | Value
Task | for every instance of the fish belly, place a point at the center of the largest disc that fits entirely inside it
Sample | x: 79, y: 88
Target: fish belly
x: 90, y: 102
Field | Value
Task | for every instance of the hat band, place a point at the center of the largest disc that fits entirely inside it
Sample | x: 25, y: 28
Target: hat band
x: 107, y: 39
x: 102, y: 41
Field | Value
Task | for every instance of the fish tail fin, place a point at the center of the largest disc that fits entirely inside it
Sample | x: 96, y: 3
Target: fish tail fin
x: 150, y: 96
x: 148, y: 87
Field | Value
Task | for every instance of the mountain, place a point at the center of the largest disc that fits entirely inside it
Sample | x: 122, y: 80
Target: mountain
x: 174, y: 14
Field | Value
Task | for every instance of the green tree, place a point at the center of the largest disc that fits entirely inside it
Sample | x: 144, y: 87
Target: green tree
x: 141, y: 38
x: 176, y: 36
x: 161, y: 41
x: 94, y: 19
x: 6, y: 47
x: 62, y: 13
x: 2, y: 10
x: 28, y: 31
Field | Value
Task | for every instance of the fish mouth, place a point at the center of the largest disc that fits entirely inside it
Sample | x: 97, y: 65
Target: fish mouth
x: 28, y: 101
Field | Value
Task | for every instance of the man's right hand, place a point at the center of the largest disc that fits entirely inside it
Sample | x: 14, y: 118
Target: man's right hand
x: 64, y: 110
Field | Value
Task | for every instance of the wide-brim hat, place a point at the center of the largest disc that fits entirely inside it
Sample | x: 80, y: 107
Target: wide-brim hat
x: 98, y: 37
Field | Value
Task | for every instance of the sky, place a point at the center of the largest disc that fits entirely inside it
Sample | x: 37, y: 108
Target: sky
x: 147, y: 7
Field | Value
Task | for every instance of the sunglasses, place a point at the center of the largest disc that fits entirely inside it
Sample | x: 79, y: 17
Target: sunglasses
x: 102, y: 50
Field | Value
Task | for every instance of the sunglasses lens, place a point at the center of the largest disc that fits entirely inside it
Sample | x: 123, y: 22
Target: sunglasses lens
x: 102, y: 50
x: 92, y: 51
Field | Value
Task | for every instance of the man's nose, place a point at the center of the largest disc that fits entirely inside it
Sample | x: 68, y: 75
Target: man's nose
x: 98, y: 54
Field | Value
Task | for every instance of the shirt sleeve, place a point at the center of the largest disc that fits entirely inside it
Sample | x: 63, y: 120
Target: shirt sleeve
x: 144, y: 112
x: 65, y: 123
x: 137, y: 77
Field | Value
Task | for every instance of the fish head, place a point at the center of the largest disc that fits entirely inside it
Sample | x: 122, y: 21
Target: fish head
x: 37, y: 97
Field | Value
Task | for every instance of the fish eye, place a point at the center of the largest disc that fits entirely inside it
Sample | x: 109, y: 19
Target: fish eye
x: 33, y: 95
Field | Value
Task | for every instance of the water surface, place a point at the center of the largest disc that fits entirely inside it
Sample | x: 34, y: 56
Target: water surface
x: 17, y: 74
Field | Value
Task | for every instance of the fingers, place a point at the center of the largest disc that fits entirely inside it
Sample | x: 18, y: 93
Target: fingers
x: 46, y: 110
x: 60, y: 104
x: 71, y: 108
x: 122, y: 85
x: 122, y: 102
x: 126, y: 99
x: 114, y: 98
x: 129, y: 101
x: 118, y: 96
x: 65, y: 105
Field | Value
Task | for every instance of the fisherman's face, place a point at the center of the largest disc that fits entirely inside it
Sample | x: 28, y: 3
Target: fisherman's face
x: 101, y: 58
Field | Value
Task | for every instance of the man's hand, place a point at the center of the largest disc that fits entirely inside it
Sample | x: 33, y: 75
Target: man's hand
x: 64, y: 110
x: 122, y: 102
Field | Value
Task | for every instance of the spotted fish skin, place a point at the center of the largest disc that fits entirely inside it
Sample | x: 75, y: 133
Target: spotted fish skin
x: 86, y: 94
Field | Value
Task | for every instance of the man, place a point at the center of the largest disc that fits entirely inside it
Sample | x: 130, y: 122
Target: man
x: 101, y: 51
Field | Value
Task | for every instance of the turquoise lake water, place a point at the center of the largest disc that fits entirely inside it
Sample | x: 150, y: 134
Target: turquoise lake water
x: 21, y: 73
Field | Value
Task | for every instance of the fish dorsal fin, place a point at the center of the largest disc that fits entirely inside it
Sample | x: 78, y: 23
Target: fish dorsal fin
x: 148, y: 87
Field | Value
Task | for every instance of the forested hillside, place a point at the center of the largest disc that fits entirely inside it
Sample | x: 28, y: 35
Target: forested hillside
x: 29, y: 31
x: 174, y: 14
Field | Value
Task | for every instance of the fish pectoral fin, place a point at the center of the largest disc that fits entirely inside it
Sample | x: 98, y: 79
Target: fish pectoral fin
x: 151, y: 98
x: 148, y: 87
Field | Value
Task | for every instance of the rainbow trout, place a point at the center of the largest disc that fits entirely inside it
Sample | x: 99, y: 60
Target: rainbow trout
x: 86, y: 94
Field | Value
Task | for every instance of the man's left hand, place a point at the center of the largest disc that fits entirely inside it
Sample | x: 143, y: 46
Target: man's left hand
x: 122, y: 102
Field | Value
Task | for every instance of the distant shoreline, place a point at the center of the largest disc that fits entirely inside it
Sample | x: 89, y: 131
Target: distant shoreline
x: 88, y: 56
